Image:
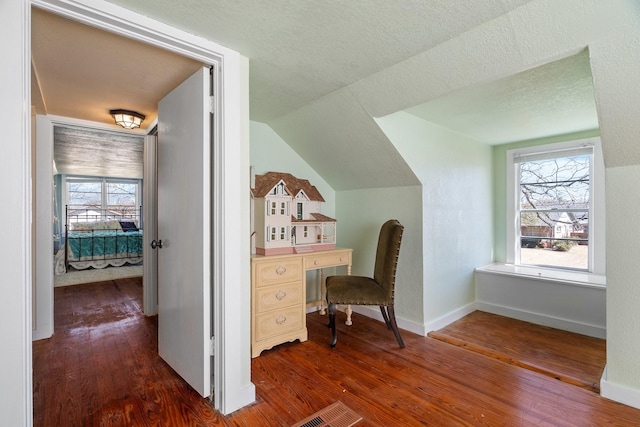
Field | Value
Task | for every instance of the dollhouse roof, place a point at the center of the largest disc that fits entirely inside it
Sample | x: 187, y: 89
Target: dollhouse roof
x: 265, y: 183
x: 316, y: 217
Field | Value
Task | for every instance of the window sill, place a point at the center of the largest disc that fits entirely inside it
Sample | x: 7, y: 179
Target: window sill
x: 573, y: 278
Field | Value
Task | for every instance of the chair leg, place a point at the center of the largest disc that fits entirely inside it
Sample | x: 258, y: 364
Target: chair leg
x: 385, y: 316
x: 333, y: 308
x: 394, y: 325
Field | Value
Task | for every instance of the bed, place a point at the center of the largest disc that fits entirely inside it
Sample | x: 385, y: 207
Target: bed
x: 98, y: 238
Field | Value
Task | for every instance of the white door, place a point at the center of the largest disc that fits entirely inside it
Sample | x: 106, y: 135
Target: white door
x: 184, y: 230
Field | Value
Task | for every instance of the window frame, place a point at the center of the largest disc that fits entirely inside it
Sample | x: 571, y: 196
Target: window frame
x: 103, y: 182
x: 597, y: 248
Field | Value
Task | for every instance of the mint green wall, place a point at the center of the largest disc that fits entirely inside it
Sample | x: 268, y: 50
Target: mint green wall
x: 500, y: 184
x: 441, y: 218
x: 360, y: 215
x: 270, y: 153
x: 457, y: 215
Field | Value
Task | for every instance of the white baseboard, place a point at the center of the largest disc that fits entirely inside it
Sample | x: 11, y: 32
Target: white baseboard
x: 245, y: 396
x: 543, y: 319
x: 450, y: 317
x: 411, y: 326
x: 43, y: 332
x: 374, y: 313
x: 619, y: 392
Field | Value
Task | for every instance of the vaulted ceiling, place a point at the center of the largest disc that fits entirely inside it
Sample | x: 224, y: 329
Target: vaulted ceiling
x: 309, y: 61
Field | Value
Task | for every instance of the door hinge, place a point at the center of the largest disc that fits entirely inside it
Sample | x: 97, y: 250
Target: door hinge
x: 212, y: 104
x: 212, y: 346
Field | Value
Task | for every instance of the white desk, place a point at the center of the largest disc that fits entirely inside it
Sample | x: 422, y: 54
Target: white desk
x: 278, y: 295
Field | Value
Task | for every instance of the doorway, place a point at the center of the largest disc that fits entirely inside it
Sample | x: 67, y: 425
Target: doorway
x: 231, y: 255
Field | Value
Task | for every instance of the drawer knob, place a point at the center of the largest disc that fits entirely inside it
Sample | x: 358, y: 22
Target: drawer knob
x: 281, y: 270
x: 315, y: 262
x: 281, y: 319
x: 341, y: 259
x: 280, y: 295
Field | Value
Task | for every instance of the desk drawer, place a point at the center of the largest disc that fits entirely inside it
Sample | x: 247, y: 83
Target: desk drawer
x: 278, y: 322
x: 331, y: 259
x: 278, y: 271
x: 277, y: 297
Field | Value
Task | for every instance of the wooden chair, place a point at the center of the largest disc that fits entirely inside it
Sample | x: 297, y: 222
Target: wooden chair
x: 358, y: 290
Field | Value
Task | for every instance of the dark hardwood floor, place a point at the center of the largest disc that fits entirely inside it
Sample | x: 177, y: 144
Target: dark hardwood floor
x: 101, y: 368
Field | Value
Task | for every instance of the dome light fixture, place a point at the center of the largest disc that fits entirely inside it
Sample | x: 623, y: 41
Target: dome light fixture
x: 127, y: 119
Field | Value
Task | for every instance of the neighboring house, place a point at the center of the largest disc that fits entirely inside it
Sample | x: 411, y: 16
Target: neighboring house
x: 286, y: 216
x: 552, y: 225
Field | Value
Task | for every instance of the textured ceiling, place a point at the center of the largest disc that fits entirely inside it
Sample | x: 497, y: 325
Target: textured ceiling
x: 553, y: 99
x: 301, y: 50
x: 320, y: 72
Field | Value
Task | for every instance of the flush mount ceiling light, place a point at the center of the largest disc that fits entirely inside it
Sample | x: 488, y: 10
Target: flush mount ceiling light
x: 127, y: 119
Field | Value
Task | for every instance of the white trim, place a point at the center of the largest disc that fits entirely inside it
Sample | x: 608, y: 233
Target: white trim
x: 543, y: 319
x: 597, y: 207
x: 374, y: 313
x: 450, y: 317
x: 543, y: 300
x: 232, y: 364
x: 150, y: 212
x: 116, y: 19
x: 618, y: 392
x: 43, y: 308
x: 26, y: 225
x: 79, y: 123
x: 565, y: 277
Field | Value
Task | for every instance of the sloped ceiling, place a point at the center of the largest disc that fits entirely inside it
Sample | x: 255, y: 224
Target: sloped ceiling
x: 302, y: 50
x: 553, y: 99
x: 320, y: 72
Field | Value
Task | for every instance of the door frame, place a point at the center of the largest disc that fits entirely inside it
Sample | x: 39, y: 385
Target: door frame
x: 232, y: 373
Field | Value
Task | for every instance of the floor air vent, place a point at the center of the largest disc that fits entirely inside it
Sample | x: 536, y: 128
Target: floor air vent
x: 335, y: 415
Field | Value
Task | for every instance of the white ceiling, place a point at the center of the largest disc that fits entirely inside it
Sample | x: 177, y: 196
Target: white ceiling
x: 300, y: 53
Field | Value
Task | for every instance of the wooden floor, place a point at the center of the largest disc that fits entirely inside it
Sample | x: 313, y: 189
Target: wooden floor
x: 101, y: 368
x: 573, y: 358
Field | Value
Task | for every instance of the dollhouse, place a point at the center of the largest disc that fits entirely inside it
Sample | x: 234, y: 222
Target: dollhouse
x: 286, y: 216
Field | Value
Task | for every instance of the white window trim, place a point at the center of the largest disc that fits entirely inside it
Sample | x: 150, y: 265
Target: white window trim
x: 104, y: 181
x: 597, y: 215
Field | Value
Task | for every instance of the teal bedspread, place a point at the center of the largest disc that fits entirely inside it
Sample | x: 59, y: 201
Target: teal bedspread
x: 104, y: 244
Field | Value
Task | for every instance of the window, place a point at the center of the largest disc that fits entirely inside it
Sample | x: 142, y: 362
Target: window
x: 306, y: 231
x: 283, y: 208
x: 118, y: 195
x: 283, y: 233
x: 273, y: 233
x: 273, y: 208
x: 555, y: 206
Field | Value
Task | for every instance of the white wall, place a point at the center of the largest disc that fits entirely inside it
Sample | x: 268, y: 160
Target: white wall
x: 615, y: 55
x: 457, y: 211
x: 622, y: 380
x: 575, y: 307
x: 15, y: 193
x: 539, y: 32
